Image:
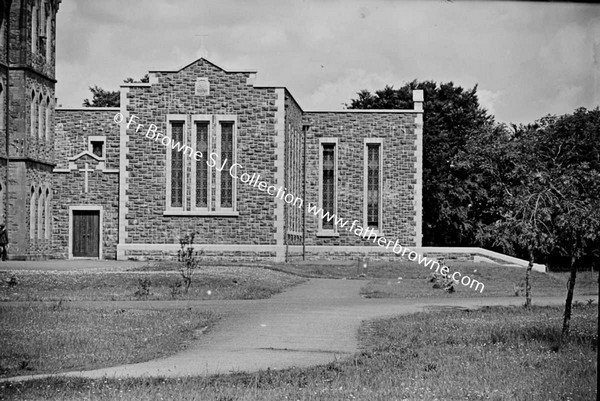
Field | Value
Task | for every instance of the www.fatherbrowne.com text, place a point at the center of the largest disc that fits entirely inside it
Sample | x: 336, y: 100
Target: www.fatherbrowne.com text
x: 254, y: 180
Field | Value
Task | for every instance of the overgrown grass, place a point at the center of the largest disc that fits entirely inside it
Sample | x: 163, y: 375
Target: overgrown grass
x: 210, y: 283
x: 490, y: 354
x: 49, y: 338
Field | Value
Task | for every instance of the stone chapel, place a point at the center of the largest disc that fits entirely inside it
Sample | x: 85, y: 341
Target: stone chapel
x: 77, y: 184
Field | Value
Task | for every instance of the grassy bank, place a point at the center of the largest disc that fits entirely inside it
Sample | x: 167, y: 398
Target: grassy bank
x: 209, y: 283
x: 406, y: 279
x: 49, y: 338
x: 490, y: 354
x: 499, y: 281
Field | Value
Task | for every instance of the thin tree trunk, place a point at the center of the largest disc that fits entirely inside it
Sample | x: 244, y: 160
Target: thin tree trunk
x: 527, y: 281
x: 569, y: 301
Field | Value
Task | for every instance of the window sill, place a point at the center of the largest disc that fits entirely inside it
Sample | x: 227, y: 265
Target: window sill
x: 326, y: 234
x: 201, y: 213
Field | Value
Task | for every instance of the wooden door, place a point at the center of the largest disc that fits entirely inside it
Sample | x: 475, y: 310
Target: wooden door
x: 86, y: 230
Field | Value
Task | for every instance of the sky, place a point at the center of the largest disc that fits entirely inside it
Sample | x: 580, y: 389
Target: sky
x: 527, y: 59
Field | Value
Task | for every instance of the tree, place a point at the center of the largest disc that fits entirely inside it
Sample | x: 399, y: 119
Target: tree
x: 102, y: 98
x: 106, y: 98
x: 451, y: 116
x: 144, y: 79
x: 510, y: 193
x: 539, y: 186
x: 570, y: 150
x: 188, y: 260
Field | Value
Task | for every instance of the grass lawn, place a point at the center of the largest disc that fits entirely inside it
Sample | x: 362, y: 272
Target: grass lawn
x: 227, y: 282
x: 406, y: 279
x: 498, y: 281
x: 499, y: 353
x: 43, y: 338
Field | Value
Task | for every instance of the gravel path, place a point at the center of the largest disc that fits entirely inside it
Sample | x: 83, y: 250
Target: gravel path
x: 310, y: 324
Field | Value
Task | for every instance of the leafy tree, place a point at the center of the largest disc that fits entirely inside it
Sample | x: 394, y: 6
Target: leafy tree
x: 452, y: 116
x: 144, y: 79
x: 570, y: 151
x: 102, y: 98
x: 539, y: 186
x: 106, y: 98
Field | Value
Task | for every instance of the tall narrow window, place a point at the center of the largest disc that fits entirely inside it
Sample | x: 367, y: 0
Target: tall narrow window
x: 47, y: 124
x: 41, y: 117
x: 202, y: 132
x: 226, y: 157
x: 2, y: 108
x: 33, y: 113
x: 2, y: 215
x: 176, y: 165
x: 47, y: 215
x: 49, y: 35
x: 373, y: 179
x: 32, y: 214
x: 328, y: 184
x: 34, y: 28
x: 40, y: 214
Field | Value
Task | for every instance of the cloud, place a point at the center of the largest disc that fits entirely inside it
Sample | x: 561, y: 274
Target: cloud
x: 528, y: 59
x: 334, y: 95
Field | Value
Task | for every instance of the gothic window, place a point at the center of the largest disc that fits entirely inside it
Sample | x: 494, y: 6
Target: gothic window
x: 41, y: 117
x: 2, y: 23
x: 32, y: 214
x: 40, y: 214
x: 47, y: 122
x: 47, y: 215
x: 42, y: 27
x: 200, y: 168
x: 2, y: 107
x: 328, y: 190
x: 227, y: 128
x: 373, y: 185
x: 2, y: 215
x: 34, y: 28
x: 33, y: 113
x: 49, y: 36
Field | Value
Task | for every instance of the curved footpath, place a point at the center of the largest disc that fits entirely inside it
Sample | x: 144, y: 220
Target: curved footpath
x: 313, y: 323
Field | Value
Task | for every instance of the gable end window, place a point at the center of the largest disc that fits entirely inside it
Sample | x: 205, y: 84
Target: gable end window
x: 202, y: 185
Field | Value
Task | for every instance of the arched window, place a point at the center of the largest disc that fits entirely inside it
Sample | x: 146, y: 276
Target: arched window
x: 40, y: 214
x: 47, y: 214
x: 2, y: 24
x: 2, y: 105
x: 32, y: 214
x: 2, y: 219
x: 41, y: 117
x: 33, y: 113
x: 48, y: 109
x: 49, y: 33
x: 34, y: 27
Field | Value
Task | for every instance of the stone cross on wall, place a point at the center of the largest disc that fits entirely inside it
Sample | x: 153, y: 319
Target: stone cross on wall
x: 86, y: 170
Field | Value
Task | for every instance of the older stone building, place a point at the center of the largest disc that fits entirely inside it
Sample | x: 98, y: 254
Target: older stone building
x: 197, y: 150
x: 27, y: 59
